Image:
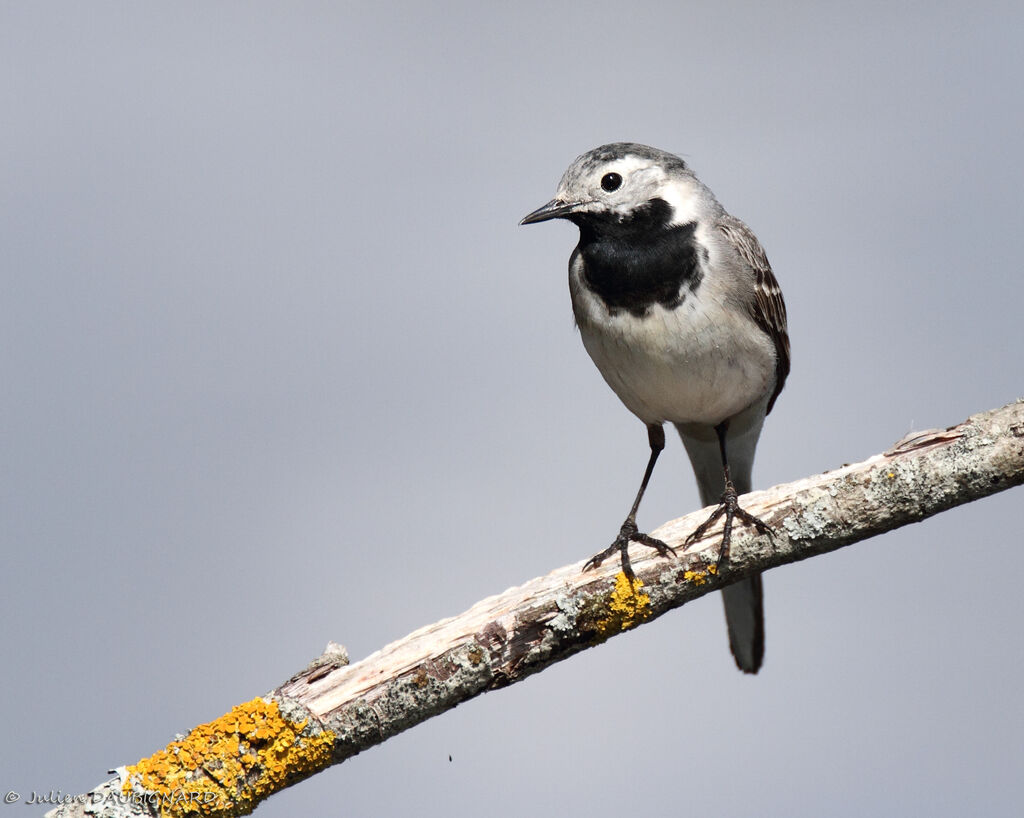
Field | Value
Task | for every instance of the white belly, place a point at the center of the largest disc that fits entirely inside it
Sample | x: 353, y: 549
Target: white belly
x: 696, y: 364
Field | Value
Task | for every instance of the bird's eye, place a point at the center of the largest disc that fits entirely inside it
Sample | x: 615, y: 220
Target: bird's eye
x: 611, y: 181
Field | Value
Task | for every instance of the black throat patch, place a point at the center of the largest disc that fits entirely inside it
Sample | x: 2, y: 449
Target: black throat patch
x: 634, y: 263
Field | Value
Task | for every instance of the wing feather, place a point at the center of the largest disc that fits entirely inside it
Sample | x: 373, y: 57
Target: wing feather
x: 767, y: 309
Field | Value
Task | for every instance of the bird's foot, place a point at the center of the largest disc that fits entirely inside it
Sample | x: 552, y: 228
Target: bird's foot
x: 729, y: 506
x: 629, y: 533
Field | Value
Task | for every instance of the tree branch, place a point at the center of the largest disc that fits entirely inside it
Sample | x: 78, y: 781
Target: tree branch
x: 332, y: 710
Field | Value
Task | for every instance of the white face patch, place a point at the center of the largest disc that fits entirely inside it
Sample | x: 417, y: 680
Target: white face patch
x: 683, y: 200
x: 642, y: 181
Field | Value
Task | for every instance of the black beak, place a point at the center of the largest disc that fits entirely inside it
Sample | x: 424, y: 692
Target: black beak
x: 555, y: 209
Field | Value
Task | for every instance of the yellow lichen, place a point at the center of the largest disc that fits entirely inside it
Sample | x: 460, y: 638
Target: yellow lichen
x: 627, y: 607
x: 226, y: 767
x: 698, y: 578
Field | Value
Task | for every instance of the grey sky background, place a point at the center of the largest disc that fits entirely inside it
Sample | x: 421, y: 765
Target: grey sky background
x: 279, y: 367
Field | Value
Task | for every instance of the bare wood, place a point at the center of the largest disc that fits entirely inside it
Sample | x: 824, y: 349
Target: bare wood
x: 331, y: 710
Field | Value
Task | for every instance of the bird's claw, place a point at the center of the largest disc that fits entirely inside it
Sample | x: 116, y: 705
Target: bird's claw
x: 629, y: 533
x: 729, y: 507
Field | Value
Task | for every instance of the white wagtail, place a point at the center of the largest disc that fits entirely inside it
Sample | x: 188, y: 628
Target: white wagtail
x: 678, y: 307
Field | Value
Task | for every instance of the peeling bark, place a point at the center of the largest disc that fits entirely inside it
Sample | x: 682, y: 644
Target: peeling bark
x: 505, y: 638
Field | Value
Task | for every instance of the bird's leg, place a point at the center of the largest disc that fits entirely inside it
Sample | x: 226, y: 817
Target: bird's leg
x: 629, y: 532
x: 728, y: 506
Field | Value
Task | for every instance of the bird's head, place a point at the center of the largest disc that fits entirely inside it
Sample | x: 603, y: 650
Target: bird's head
x: 624, y: 182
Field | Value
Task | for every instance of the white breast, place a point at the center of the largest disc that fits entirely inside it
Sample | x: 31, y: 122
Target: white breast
x: 698, y: 363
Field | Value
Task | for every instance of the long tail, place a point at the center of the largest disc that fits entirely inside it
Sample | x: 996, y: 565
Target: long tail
x: 744, y: 601
x: 744, y: 617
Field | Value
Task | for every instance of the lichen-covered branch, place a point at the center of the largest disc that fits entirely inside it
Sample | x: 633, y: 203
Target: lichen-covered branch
x: 332, y: 710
